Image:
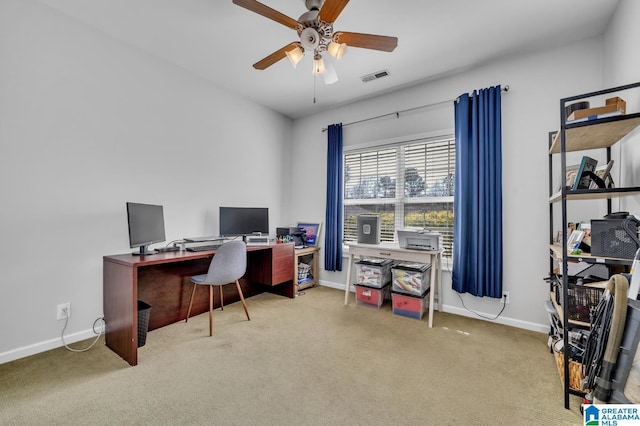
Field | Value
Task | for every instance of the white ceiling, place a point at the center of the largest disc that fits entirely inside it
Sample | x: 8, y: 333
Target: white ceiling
x: 220, y: 41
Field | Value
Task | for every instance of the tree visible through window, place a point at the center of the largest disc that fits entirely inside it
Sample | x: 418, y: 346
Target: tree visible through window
x: 409, y: 185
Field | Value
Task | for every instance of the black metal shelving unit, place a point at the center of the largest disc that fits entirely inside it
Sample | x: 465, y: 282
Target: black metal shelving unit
x: 600, y: 133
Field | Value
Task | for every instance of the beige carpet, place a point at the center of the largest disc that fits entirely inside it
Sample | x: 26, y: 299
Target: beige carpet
x: 303, y: 361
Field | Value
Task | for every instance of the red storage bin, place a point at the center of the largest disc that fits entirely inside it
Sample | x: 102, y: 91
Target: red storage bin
x: 372, y: 296
x: 409, y: 305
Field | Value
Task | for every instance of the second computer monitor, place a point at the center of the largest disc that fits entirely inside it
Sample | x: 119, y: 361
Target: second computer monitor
x: 241, y: 221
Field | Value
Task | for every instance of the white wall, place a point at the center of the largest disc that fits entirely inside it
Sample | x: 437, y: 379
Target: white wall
x: 88, y: 123
x: 621, y: 67
x: 529, y: 111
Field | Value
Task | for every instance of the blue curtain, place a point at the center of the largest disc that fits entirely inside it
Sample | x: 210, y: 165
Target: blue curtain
x: 477, y: 241
x: 333, y: 219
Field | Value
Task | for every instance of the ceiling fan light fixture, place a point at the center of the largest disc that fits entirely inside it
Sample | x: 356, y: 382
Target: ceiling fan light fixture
x: 309, y: 38
x: 295, y: 55
x: 330, y: 76
x: 337, y: 50
x: 318, y: 64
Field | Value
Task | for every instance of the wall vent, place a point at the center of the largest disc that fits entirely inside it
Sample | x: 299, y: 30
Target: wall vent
x: 374, y: 76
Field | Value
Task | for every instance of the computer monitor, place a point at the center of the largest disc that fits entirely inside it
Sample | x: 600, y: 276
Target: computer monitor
x: 243, y: 221
x: 146, y: 226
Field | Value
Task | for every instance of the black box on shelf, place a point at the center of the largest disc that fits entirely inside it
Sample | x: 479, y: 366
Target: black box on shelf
x: 609, y: 238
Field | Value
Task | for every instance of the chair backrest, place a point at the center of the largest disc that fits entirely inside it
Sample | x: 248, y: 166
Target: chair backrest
x: 228, y: 264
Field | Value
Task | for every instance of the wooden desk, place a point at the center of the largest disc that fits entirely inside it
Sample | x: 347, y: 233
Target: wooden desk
x: 163, y: 281
x: 393, y: 251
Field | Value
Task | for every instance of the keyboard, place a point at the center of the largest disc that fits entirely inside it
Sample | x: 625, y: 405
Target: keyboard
x: 204, y: 248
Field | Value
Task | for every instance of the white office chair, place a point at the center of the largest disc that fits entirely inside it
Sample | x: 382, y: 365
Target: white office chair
x: 229, y: 264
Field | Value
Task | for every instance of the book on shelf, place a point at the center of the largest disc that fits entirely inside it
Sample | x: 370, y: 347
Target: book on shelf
x: 583, y: 180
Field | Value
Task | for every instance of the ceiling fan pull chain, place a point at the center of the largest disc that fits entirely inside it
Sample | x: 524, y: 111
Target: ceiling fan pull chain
x: 315, y: 87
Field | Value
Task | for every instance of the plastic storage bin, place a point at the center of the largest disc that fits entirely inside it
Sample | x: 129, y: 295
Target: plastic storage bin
x: 372, y: 296
x: 373, y: 272
x: 409, y: 305
x: 411, y: 278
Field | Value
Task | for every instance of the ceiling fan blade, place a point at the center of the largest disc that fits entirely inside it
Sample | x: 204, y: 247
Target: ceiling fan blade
x: 331, y: 9
x: 367, y: 41
x: 267, y: 12
x: 275, y: 56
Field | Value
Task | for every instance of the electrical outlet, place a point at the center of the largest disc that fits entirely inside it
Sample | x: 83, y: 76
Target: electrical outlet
x: 505, y: 296
x: 64, y: 310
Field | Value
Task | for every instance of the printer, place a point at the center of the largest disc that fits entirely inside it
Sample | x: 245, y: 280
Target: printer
x: 419, y: 239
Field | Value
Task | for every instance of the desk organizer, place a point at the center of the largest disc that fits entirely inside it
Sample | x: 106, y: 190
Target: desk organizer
x: 409, y: 305
x: 411, y: 278
x: 372, y: 296
x: 373, y: 272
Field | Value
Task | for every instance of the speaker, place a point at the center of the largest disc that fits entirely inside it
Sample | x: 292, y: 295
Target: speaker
x: 368, y: 229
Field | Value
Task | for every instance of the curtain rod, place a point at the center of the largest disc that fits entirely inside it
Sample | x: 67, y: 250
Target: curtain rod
x: 397, y: 113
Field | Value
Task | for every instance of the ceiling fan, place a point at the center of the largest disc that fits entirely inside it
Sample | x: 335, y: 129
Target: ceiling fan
x: 315, y: 31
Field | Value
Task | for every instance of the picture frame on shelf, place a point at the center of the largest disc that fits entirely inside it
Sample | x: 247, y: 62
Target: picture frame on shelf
x: 570, y: 175
x: 586, y: 237
x: 574, y: 239
x: 604, y: 173
x: 312, y: 231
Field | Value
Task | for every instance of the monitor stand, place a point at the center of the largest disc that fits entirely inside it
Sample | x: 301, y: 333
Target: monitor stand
x: 144, y: 250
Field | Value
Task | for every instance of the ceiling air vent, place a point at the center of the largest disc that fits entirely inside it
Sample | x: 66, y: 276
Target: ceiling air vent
x: 374, y: 76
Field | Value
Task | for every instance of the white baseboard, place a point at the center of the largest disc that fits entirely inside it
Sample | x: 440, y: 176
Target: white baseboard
x: 512, y: 322
x: 456, y: 310
x: 332, y: 285
x: 47, y: 345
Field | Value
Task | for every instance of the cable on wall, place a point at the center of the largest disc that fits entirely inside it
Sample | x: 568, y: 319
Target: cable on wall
x: 397, y: 113
x: 504, y: 301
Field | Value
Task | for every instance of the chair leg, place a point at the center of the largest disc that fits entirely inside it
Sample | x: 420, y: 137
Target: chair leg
x: 221, y: 299
x: 191, y: 302
x: 210, y: 310
x: 244, y: 305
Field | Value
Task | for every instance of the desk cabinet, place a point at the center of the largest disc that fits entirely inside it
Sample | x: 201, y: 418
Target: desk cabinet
x: 271, y: 270
x: 308, y: 255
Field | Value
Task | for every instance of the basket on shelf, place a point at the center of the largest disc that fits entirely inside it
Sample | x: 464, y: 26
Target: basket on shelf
x: 304, y: 272
x: 575, y: 370
x: 582, y: 299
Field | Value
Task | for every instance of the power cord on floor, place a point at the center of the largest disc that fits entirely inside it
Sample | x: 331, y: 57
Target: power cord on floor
x: 504, y: 304
x: 504, y: 300
x: 66, y: 322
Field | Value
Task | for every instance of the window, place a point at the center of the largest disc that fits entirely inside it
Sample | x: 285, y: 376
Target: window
x: 410, y: 185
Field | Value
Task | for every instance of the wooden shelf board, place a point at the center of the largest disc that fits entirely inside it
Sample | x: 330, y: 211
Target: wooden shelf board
x: 558, y: 254
x: 595, y: 133
x: 595, y: 194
